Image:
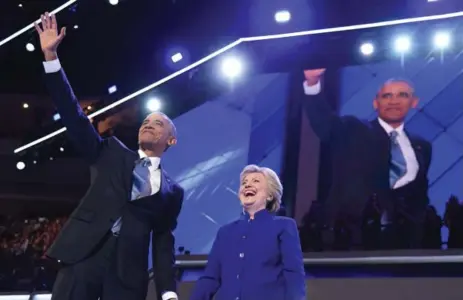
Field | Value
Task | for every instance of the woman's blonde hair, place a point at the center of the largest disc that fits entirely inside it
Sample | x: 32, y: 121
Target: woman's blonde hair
x: 273, y: 182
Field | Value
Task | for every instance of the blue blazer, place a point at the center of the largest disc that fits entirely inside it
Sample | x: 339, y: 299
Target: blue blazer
x: 259, y: 259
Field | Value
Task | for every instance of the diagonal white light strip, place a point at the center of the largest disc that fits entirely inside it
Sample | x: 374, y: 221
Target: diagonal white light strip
x: 353, y: 27
x: 237, y: 42
x: 30, y: 26
x: 133, y: 95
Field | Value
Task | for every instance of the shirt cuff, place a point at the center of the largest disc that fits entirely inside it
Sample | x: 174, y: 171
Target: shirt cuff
x: 169, y: 295
x: 52, y: 66
x: 312, y: 90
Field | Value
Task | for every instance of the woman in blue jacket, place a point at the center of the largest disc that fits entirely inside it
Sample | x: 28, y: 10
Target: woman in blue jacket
x: 257, y: 257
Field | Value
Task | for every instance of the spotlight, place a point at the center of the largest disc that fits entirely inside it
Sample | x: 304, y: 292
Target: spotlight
x: 177, y: 57
x: 442, y: 40
x: 112, y: 89
x: 20, y: 5
x: 402, y: 44
x: 61, y: 149
x: 20, y: 165
x: 76, y: 26
x: 56, y: 117
x: 367, y: 49
x: 153, y: 104
x: 30, y: 47
x: 25, y: 105
x: 231, y: 67
x: 282, y: 16
x: 113, y: 2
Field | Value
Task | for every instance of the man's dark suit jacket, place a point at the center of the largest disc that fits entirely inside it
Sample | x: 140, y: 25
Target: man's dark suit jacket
x: 108, y: 198
x: 360, y: 154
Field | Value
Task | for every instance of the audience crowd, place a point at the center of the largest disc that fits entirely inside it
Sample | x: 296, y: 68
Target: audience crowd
x: 312, y: 230
x: 24, y: 241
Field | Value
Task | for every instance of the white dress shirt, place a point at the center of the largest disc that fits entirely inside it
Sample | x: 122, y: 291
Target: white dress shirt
x: 54, y: 66
x: 155, y: 172
x: 402, y: 139
x: 408, y: 152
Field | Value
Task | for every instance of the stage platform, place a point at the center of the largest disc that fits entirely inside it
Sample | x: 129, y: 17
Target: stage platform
x: 378, y: 275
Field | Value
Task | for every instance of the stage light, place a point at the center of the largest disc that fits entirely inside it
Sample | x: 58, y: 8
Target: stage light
x: 34, y: 162
x: 402, y: 44
x: 61, y: 149
x: 25, y: 105
x: 367, y: 49
x: 113, y: 2
x: 56, y: 117
x: 232, y: 67
x: 177, y: 57
x: 30, y: 47
x: 112, y: 89
x: 282, y: 16
x: 76, y: 26
x: 153, y: 104
x: 223, y: 50
x: 442, y: 40
x: 20, y: 165
x: 20, y: 5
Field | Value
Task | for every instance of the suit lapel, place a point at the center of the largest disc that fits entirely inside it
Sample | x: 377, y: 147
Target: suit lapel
x: 132, y: 159
x: 417, y: 149
x: 165, y: 187
x: 382, y: 139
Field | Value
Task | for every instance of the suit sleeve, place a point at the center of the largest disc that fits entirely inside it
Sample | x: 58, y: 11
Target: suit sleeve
x: 322, y: 119
x: 81, y: 132
x: 293, y: 264
x: 209, y: 283
x: 163, y: 250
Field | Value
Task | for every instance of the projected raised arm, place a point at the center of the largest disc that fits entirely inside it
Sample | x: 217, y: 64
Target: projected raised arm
x: 322, y: 119
x: 312, y: 82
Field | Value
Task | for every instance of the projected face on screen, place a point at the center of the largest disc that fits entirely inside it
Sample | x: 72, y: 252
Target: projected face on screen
x: 394, y: 100
x: 390, y: 133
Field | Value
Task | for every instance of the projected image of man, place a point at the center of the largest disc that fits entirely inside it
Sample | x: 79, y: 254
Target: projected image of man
x: 374, y: 159
x: 104, y: 246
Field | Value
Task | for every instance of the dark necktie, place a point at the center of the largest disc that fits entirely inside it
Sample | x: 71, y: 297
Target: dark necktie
x: 141, y: 186
x: 397, y: 166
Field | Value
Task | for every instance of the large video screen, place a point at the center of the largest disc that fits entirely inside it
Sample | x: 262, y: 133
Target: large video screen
x: 389, y: 137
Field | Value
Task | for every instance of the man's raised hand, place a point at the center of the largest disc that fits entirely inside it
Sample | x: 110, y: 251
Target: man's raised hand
x: 48, y: 34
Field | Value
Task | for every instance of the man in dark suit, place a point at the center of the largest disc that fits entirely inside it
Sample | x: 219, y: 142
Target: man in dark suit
x: 104, y: 246
x: 377, y: 158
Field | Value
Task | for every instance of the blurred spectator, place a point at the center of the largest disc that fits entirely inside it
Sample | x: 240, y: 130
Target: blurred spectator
x: 454, y: 222
x: 23, y: 244
x: 432, y: 229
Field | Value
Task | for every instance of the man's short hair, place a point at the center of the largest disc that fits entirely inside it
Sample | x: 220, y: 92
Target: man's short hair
x: 395, y: 80
x: 172, y: 125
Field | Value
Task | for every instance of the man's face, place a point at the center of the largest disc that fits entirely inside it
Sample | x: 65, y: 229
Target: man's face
x: 394, y: 100
x: 155, y: 131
